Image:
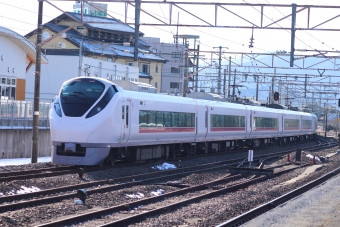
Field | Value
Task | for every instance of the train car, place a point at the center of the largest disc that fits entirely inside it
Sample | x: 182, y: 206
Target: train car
x: 94, y: 120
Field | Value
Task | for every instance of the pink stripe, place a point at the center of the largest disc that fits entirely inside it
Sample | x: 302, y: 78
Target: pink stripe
x: 165, y: 129
x: 265, y: 129
x: 223, y: 129
x: 292, y: 128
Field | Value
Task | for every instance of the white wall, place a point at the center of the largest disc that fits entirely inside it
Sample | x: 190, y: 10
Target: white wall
x: 62, y: 68
x: 13, y: 57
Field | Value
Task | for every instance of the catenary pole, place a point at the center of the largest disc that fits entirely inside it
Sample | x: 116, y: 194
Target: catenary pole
x: 292, y: 43
x: 135, y: 56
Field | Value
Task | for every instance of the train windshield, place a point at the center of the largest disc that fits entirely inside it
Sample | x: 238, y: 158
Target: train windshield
x: 79, y: 95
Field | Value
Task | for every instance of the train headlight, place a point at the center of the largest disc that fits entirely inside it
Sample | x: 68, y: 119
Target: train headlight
x: 57, y: 108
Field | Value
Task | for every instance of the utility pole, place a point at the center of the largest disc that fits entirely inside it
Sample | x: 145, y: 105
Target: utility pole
x: 135, y: 56
x: 305, y: 85
x: 272, y: 92
x: 224, y: 81
x: 81, y: 43
x: 280, y: 90
x: 35, y: 148
x: 229, y: 77
x: 312, y: 102
x: 185, y: 81
x: 325, y: 116
x: 234, y: 85
x: 197, y: 58
x: 257, y: 87
x: 292, y: 42
x: 219, y: 70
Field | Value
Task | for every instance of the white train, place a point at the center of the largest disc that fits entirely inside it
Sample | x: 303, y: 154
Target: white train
x: 93, y: 120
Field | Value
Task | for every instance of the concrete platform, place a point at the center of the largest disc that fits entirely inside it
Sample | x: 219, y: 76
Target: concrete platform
x: 319, y: 207
x: 308, y: 171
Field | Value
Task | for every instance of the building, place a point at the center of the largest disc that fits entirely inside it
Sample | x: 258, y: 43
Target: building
x: 17, y: 55
x: 103, y: 47
x: 173, y: 70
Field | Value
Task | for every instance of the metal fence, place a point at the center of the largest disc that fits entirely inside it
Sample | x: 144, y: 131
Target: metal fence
x: 19, y: 114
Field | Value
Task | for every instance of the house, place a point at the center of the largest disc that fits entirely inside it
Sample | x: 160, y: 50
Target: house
x: 173, y: 70
x: 102, y: 47
x: 17, y: 55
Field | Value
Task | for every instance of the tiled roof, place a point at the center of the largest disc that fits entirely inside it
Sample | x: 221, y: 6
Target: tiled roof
x: 110, y: 24
x: 110, y: 49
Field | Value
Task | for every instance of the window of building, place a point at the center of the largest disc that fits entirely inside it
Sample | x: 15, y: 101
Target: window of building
x: 156, y: 68
x: 102, y: 35
x: 109, y: 35
x: 146, y: 68
x: 7, y: 88
x: 175, y: 70
x: 174, y: 85
x: 176, y: 54
x: 121, y: 37
x: 95, y: 33
x: 109, y: 59
x: 127, y: 38
x: 115, y: 36
x: 154, y: 50
x: 156, y: 84
x: 131, y: 64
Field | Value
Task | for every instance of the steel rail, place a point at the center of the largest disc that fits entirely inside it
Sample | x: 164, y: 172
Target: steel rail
x: 241, y: 219
x: 127, y: 178
x: 110, y: 210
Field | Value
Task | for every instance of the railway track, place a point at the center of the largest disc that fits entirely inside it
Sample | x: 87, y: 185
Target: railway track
x: 136, y: 179
x: 212, y: 189
x: 111, y: 184
x: 237, y: 221
x: 53, y: 195
x: 57, y: 171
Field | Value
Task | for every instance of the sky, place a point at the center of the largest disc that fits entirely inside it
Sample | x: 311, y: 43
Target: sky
x: 21, y: 16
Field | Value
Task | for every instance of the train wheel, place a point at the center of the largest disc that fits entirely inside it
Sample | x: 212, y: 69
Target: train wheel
x: 173, y: 154
x: 112, y: 161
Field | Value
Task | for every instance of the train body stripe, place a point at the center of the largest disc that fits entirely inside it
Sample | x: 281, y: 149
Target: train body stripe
x: 166, y: 129
x: 266, y: 129
x: 227, y: 129
x: 291, y: 128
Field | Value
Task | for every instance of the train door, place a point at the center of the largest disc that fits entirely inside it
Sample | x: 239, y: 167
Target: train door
x: 126, y: 120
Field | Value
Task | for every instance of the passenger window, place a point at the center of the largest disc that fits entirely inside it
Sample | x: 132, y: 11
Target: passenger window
x: 175, y: 120
x: 167, y: 119
x: 160, y: 119
x: 182, y: 120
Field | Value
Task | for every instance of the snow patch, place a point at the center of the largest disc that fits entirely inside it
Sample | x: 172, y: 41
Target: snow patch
x: 138, y: 195
x: 78, y: 202
x: 25, y: 190
x: 165, y: 166
x: 158, y: 192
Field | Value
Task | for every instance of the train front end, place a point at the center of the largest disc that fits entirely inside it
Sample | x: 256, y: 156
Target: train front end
x: 82, y: 108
